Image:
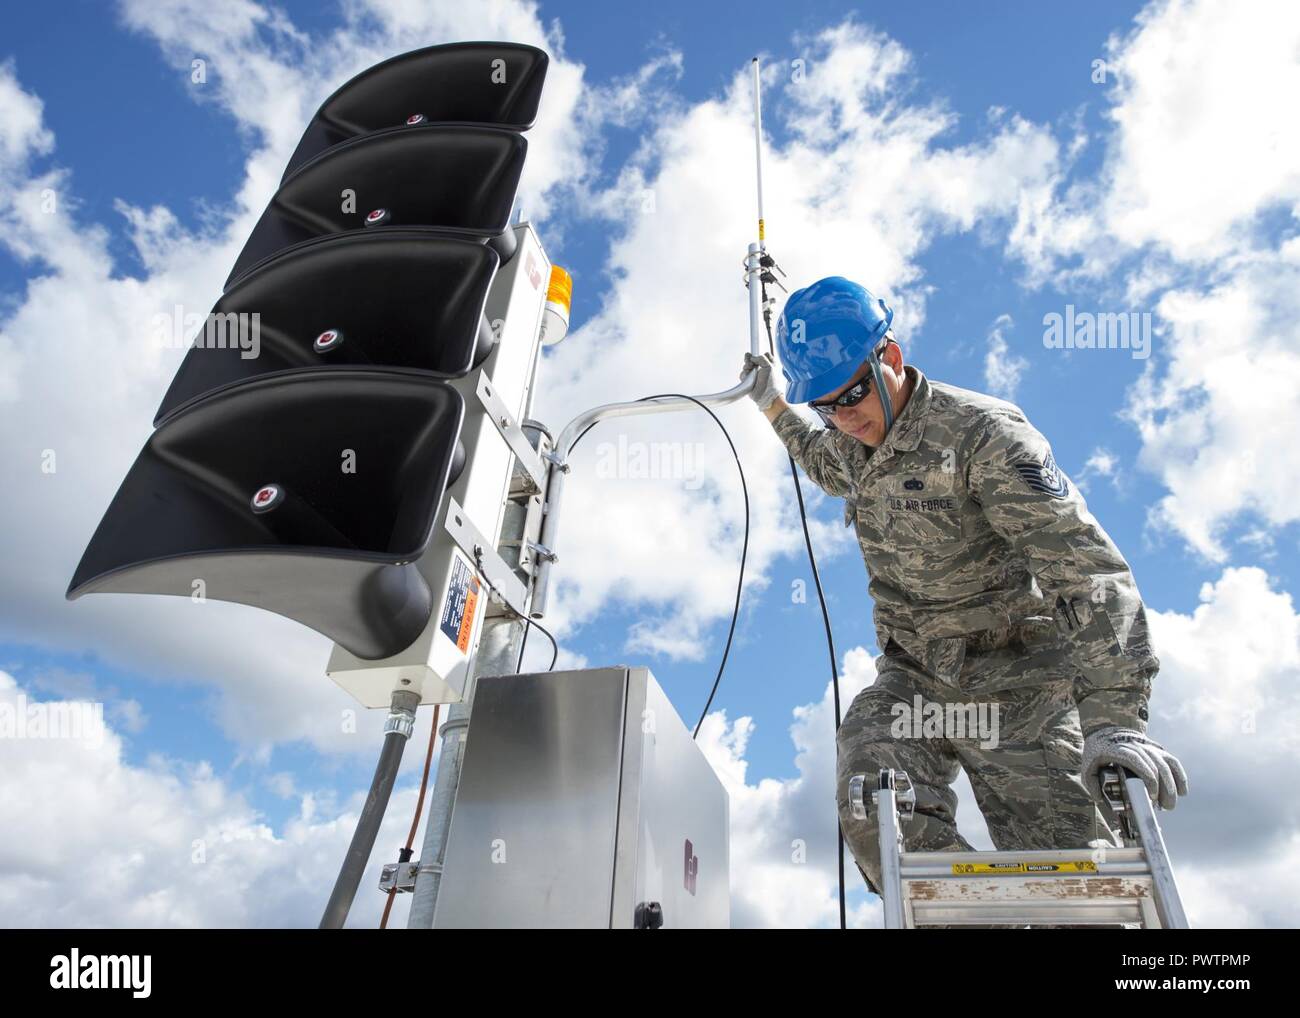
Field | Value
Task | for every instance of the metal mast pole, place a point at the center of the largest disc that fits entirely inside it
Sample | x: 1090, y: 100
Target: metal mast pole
x: 753, y: 265
x: 497, y: 654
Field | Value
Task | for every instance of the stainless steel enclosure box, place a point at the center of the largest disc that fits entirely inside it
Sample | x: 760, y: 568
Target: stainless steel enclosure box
x: 583, y: 800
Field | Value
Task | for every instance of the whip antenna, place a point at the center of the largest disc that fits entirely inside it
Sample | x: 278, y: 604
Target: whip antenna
x: 758, y: 263
x: 753, y: 260
x: 758, y: 149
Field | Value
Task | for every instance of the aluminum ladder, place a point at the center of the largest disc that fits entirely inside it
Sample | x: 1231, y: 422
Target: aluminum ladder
x: 1103, y: 886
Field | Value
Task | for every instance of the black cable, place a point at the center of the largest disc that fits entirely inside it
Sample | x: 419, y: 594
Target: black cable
x: 740, y: 582
x: 744, y: 550
x: 519, y: 665
x: 826, y: 618
x: 555, y: 649
x: 744, y: 553
x: 363, y: 838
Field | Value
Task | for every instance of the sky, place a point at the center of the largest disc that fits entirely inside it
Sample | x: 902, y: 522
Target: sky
x: 984, y: 167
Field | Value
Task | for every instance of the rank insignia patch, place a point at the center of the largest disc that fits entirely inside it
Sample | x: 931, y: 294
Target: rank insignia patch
x: 1045, y: 478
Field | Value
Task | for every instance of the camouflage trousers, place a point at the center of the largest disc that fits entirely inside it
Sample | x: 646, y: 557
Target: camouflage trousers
x: 1026, y: 777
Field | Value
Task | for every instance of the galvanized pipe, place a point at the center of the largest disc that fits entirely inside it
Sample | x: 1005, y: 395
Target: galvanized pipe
x: 496, y: 654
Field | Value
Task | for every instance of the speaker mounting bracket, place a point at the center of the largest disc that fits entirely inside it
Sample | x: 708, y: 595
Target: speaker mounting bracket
x: 510, y: 430
x: 480, y: 551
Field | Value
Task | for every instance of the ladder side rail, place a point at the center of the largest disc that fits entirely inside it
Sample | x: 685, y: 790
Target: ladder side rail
x: 891, y: 882
x: 1169, y: 903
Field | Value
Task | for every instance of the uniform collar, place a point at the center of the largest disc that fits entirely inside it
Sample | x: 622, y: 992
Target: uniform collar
x: 909, y: 427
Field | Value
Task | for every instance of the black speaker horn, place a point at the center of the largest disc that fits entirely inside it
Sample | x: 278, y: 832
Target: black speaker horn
x: 310, y: 494
x: 459, y: 179
x: 489, y: 84
x: 408, y: 298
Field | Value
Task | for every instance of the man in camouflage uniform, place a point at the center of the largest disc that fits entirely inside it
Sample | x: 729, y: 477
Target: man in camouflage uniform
x: 992, y: 583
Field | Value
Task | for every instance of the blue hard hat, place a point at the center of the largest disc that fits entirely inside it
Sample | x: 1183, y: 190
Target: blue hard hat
x: 825, y: 332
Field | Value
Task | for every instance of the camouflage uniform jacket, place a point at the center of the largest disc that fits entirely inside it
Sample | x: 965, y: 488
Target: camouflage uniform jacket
x: 973, y: 537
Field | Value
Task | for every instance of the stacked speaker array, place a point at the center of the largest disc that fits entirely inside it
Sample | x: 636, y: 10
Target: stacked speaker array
x: 299, y: 457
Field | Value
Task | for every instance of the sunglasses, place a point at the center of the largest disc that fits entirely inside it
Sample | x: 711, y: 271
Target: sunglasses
x: 850, y: 397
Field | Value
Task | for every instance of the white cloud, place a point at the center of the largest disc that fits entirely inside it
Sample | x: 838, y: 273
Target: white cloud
x: 1200, y: 149
x: 1217, y: 425
x: 1227, y: 703
x: 167, y: 843
x: 23, y: 133
x: 1101, y: 463
x: 1191, y: 216
x: 1198, y: 88
x: 783, y: 830
x: 1204, y: 141
x: 1003, y: 369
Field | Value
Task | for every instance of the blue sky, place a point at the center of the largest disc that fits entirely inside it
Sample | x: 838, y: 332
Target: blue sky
x: 959, y: 158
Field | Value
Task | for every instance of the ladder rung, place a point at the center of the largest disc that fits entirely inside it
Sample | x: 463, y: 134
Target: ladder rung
x: 1025, y: 888
x: 1108, y: 860
x: 939, y: 887
x: 1055, y: 912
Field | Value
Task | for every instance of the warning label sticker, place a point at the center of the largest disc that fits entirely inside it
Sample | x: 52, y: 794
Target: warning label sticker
x: 964, y: 868
x: 460, y: 605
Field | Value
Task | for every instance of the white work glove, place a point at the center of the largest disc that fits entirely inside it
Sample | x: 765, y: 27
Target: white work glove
x: 1159, y: 769
x: 764, y: 393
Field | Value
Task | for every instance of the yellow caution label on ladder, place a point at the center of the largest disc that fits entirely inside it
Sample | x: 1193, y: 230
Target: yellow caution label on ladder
x: 968, y: 868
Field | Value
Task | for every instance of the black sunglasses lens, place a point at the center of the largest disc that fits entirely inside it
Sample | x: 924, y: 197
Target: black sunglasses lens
x: 858, y: 393
x: 850, y: 398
